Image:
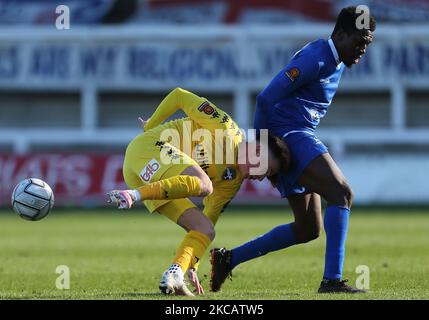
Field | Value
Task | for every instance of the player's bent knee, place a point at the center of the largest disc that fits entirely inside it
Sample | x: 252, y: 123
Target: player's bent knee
x: 306, y: 234
x: 342, y: 195
x: 346, y: 195
x: 205, y: 184
x: 309, y: 236
x: 313, y: 235
x: 350, y: 195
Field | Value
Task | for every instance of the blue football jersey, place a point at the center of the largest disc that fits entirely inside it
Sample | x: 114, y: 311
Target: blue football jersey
x: 300, y: 94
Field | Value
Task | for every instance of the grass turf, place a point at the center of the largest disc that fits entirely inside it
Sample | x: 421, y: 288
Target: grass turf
x: 114, y: 255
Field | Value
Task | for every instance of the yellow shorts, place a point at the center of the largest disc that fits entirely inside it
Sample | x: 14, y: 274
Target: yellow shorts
x: 147, y: 160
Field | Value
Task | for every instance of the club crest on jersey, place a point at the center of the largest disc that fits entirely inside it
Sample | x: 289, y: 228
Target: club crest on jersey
x: 292, y: 74
x: 229, y: 174
x: 149, y: 170
x: 206, y: 108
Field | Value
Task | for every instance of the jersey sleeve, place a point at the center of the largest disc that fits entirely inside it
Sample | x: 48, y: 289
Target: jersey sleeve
x: 302, y: 69
x: 217, y: 202
x: 197, y: 108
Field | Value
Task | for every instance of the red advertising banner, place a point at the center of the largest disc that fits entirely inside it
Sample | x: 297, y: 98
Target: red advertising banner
x: 84, y: 179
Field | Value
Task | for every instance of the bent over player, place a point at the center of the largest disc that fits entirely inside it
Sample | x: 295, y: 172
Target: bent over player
x: 291, y: 107
x: 164, y: 173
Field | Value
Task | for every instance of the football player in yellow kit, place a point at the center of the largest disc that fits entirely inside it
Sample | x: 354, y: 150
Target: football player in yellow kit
x: 203, y: 155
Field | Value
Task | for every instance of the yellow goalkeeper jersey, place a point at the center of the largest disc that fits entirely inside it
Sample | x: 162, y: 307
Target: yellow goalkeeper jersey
x: 208, y: 135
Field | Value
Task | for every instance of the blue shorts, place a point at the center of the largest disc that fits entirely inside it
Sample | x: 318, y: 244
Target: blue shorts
x: 303, y: 147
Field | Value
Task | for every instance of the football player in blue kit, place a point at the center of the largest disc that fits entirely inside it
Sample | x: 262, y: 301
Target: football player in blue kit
x: 291, y: 107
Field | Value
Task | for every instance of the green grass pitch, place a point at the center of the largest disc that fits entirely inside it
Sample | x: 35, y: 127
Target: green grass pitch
x: 121, y: 255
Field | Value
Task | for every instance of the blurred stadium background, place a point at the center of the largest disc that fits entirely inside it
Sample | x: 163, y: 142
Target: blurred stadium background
x: 69, y: 99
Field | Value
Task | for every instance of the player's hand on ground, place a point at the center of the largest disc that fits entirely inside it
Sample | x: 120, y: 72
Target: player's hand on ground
x: 193, y: 279
x: 142, y: 122
x: 121, y: 198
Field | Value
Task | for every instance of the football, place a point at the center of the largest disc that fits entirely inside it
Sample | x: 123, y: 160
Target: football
x: 32, y: 199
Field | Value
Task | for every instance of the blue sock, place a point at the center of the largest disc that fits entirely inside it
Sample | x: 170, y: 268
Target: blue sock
x: 336, y: 222
x: 278, y: 238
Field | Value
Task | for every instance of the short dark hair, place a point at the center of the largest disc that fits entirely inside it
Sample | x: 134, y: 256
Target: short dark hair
x: 346, y: 21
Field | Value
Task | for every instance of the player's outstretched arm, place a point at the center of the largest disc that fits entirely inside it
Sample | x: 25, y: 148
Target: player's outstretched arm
x: 197, y: 108
x: 175, y: 100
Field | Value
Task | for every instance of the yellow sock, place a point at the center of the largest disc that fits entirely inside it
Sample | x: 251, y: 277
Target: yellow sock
x: 171, y: 188
x: 191, y: 249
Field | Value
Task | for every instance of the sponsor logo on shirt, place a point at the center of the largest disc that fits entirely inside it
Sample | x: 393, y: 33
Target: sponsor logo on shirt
x: 206, y: 108
x: 314, y: 114
x: 293, y: 73
x: 229, y: 174
x: 149, y: 170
